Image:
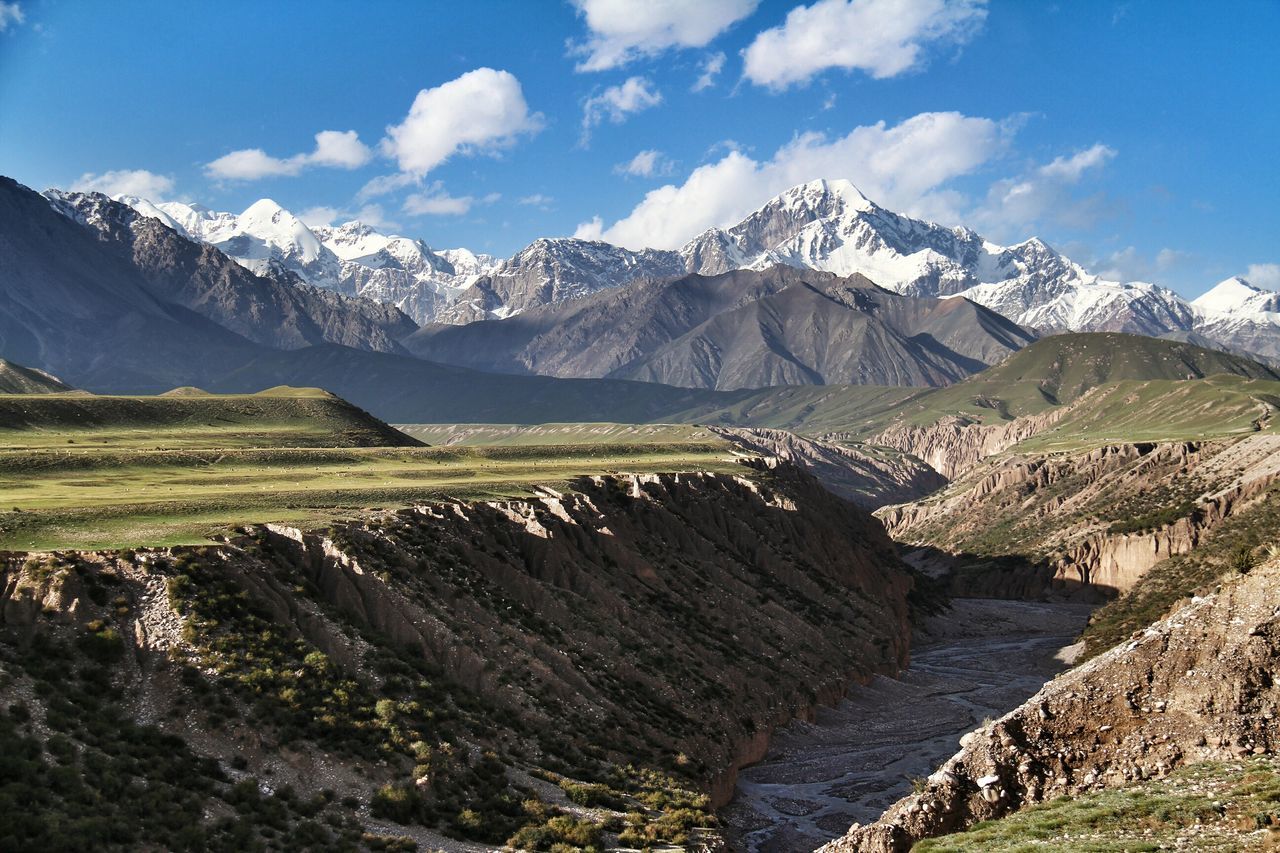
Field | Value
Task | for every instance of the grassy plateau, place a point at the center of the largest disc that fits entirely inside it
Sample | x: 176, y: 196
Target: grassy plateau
x: 83, y: 471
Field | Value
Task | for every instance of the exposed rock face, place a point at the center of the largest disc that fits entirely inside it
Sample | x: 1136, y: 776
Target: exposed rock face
x: 869, y: 476
x: 954, y: 445
x: 741, y: 329
x: 1095, y: 519
x: 1195, y: 686
x: 665, y: 620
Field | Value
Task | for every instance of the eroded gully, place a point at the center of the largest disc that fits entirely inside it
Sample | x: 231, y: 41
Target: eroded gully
x: 981, y: 659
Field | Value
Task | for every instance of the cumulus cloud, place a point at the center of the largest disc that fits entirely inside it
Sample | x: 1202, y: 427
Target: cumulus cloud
x: 646, y: 164
x: 711, y: 68
x: 591, y: 230
x: 334, y: 148
x: 625, y: 30
x: 883, y: 38
x: 10, y: 13
x: 136, y: 182
x: 617, y: 102
x: 1044, y: 195
x: 1266, y: 276
x: 482, y: 111
x: 903, y: 167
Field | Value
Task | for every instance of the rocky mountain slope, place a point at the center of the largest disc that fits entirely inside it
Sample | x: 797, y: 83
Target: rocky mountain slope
x: 71, y: 307
x: 274, y: 309
x: 16, y: 379
x: 590, y: 665
x: 1194, y: 687
x: 741, y: 329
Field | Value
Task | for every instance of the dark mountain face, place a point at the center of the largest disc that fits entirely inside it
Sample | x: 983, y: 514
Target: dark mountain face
x: 742, y: 329
x: 277, y: 311
x: 72, y: 307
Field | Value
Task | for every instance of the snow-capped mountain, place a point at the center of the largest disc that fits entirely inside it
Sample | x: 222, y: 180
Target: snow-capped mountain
x: 831, y: 226
x: 353, y: 259
x: 824, y: 225
x: 1237, y: 314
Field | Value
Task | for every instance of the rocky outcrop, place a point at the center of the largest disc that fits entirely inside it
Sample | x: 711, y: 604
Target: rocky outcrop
x: 869, y: 476
x: 955, y: 444
x: 1096, y: 519
x: 1195, y: 686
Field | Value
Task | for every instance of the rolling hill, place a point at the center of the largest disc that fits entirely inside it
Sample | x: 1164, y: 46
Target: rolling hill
x: 16, y: 379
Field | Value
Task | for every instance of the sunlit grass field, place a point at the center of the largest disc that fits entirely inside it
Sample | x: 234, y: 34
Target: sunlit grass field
x: 96, y: 472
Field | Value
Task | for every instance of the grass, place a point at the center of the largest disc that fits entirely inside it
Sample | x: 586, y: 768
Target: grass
x: 522, y: 435
x: 1213, y: 806
x: 94, y: 498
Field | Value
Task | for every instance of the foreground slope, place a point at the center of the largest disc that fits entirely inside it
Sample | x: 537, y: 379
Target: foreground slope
x: 466, y: 666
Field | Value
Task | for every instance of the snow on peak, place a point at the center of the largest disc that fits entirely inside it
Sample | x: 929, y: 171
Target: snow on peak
x: 1233, y: 294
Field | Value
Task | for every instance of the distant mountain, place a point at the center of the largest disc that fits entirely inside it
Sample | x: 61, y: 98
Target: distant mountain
x: 825, y: 225
x: 830, y: 225
x: 71, y: 306
x: 274, y: 309
x: 1238, y: 315
x: 741, y: 329
x: 16, y: 379
x: 353, y: 259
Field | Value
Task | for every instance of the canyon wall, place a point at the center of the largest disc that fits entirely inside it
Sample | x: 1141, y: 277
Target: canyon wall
x: 1195, y: 686
x: 657, y: 621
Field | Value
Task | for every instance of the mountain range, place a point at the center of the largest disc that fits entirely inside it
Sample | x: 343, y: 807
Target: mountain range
x: 825, y: 225
x: 739, y: 329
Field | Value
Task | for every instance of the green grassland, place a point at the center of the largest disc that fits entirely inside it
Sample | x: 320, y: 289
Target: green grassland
x: 1213, y: 806
x: 523, y: 435
x: 97, y: 472
x: 1119, y: 387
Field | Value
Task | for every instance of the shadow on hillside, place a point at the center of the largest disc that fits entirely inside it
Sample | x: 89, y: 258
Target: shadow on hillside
x: 1009, y: 576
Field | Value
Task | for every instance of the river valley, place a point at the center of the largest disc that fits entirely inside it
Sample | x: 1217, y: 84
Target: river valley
x: 980, y: 659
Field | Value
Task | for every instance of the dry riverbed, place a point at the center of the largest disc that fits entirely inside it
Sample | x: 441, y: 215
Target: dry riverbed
x: 981, y: 659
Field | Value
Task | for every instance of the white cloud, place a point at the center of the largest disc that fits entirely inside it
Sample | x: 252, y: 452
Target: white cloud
x: 137, y: 182
x: 1015, y: 207
x: 617, y: 102
x: 1263, y: 275
x: 10, y: 13
x: 884, y: 38
x: 1069, y: 169
x: 384, y: 184
x: 646, y: 164
x: 626, y: 30
x: 711, y: 68
x: 434, y: 201
x: 593, y: 230
x: 341, y: 149
x: 334, y: 148
x: 903, y: 167
x: 370, y: 214
x: 483, y: 110
x: 320, y: 215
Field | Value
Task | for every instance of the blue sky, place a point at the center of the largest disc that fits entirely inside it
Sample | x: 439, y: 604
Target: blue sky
x: 1139, y: 137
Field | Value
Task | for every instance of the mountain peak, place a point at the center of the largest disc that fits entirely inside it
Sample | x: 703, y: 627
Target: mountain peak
x: 815, y: 193
x: 1230, y: 294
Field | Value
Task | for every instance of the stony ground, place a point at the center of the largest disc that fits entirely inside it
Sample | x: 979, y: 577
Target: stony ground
x: 980, y: 660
